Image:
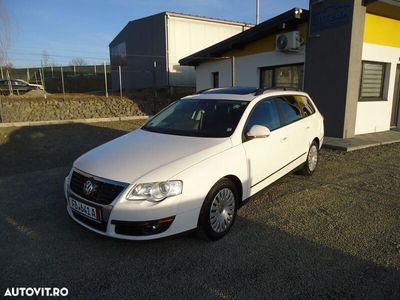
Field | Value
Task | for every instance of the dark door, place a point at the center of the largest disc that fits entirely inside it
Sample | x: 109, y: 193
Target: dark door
x: 395, y: 122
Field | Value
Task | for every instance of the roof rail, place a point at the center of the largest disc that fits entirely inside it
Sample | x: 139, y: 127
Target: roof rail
x: 235, y: 90
x: 202, y: 91
x: 283, y: 88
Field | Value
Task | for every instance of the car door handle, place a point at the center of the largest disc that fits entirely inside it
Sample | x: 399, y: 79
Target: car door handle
x: 284, y: 139
x: 308, y: 127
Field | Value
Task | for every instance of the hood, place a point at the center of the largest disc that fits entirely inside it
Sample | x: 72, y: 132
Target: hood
x: 140, y: 152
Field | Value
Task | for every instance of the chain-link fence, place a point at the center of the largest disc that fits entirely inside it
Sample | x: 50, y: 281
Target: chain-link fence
x: 82, y: 92
x: 56, y: 79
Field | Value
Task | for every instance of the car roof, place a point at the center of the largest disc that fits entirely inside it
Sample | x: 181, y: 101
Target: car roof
x: 242, y: 93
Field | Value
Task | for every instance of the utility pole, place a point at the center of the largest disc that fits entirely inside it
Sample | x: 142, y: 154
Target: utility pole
x: 257, y: 12
x: 62, y: 82
x: 42, y: 75
x: 9, y: 83
x: 120, y: 81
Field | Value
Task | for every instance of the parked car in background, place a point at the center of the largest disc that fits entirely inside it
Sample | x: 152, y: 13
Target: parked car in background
x: 33, y: 85
x: 17, y: 86
x: 193, y: 164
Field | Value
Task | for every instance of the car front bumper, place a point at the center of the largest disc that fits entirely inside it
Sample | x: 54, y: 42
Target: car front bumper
x: 135, y: 220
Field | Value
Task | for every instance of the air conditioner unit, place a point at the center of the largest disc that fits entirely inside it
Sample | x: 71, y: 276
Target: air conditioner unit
x: 288, y: 41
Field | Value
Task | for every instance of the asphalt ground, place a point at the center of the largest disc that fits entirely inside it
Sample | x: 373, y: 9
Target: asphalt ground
x: 335, y: 235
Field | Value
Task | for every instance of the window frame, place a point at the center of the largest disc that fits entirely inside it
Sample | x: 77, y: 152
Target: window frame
x: 383, y: 79
x: 273, y: 69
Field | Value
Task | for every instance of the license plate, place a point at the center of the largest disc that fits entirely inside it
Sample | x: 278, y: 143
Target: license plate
x: 86, y: 210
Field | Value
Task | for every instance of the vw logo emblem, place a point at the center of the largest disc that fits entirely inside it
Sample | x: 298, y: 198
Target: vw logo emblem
x: 88, y: 187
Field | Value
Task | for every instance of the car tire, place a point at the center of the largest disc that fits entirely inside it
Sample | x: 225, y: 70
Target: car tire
x: 219, y: 209
x: 312, y: 160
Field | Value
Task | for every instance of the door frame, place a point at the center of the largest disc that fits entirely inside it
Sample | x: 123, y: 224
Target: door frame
x: 394, y: 119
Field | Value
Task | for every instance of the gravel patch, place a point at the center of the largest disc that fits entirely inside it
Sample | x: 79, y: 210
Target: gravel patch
x: 334, y: 235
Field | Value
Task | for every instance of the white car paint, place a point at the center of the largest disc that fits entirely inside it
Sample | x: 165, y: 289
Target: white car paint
x: 37, y: 86
x: 136, y: 154
x: 142, y: 156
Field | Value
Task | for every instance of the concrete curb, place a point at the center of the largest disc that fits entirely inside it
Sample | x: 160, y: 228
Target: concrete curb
x: 349, y: 148
x: 337, y: 144
x: 58, y: 122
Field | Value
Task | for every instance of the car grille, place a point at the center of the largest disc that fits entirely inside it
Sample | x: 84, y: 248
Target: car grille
x: 103, y: 193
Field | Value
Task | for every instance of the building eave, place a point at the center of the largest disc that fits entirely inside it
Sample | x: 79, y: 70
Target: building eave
x: 268, y: 27
x: 385, y: 8
x: 207, y: 19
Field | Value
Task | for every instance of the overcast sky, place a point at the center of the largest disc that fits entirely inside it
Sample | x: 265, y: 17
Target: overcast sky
x: 84, y: 28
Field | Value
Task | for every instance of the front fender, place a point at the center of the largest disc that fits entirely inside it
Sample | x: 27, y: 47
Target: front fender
x: 200, y: 178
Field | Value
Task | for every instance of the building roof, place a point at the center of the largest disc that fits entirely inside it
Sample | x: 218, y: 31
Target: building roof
x: 291, y: 18
x: 210, y: 19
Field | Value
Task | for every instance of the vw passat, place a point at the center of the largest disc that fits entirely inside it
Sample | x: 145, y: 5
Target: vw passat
x: 193, y: 164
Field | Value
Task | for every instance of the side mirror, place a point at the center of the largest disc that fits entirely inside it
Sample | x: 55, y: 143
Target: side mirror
x: 258, y: 131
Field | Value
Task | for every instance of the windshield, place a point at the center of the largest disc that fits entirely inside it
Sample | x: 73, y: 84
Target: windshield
x: 198, y: 117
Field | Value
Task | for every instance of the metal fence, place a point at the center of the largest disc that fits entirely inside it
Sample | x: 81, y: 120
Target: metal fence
x: 63, y: 79
x: 70, y: 81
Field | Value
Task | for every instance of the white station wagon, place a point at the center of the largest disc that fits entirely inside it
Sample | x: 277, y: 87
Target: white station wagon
x: 194, y: 164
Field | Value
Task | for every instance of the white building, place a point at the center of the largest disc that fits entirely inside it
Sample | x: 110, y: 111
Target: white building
x: 149, y: 49
x: 345, y: 54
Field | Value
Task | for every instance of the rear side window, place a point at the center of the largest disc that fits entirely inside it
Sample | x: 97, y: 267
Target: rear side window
x: 265, y: 114
x: 305, y: 105
x: 289, y: 108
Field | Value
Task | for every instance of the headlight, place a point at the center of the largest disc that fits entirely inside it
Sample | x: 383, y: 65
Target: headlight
x: 155, y: 191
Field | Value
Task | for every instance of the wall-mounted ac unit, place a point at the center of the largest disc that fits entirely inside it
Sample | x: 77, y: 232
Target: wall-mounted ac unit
x: 288, y: 41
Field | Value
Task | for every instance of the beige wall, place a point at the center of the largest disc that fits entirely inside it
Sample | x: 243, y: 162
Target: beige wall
x: 204, y: 77
x: 187, y: 36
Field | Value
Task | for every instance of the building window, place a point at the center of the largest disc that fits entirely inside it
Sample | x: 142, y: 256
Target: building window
x: 215, y: 79
x: 290, y: 76
x: 372, y: 81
